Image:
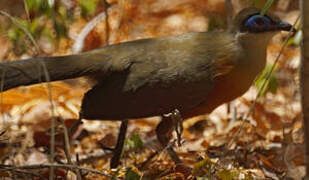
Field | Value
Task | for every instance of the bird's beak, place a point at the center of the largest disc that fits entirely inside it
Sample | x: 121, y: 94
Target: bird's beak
x: 283, y: 26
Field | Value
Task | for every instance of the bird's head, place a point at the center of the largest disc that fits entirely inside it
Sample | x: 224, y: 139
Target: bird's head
x: 254, y: 30
x: 249, y: 20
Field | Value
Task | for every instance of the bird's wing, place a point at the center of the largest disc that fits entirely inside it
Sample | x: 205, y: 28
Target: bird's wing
x: 168, y: 73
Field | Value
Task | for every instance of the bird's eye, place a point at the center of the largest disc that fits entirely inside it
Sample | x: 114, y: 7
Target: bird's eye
x: 258, y: 23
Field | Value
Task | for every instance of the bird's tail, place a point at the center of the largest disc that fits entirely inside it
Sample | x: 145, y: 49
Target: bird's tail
x: 43, y: 69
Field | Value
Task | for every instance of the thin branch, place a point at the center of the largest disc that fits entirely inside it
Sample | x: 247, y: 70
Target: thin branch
x: 26, y: 31
x: 263, y: 85
x: 121, y: 4
x: 304, y: 79
x: 27, y: 10
x: 106, y: 5
x: 168, y: 146
x: 79, y: 42
x: 53, y: 119
x: 15, y: 171
x: 99, y: 155
x: 66, y: 166
x: 21, y: 26
x: 67, y: 148
x: 229, y: 12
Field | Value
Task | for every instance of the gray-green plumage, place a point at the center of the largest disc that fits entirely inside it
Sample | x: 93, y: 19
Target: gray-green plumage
x: 193, y: 72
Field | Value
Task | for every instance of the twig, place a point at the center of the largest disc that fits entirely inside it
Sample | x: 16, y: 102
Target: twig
x: 53, y: 119
x: 66, y: 166
x: 95, y: 156
x: 169, y: 145
x: 27, y: 10
x: 52, y: 139
x: 229, y: 12
x: 121, y: 4
x: 79, y: 42
x: 106, y: 5
x: 75, y: 125
x: 263, y: 85
x: 78, y: 164
x: 1, y: 89
x: 14, y: 171
x: 67, y: 147
x: 21, y: 26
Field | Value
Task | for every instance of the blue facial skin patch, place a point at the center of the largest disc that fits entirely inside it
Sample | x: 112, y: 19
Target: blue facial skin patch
x: 258, y: 23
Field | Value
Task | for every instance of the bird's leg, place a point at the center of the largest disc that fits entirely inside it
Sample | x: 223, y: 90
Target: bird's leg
x: 119, y: 146
x: 117, y: 150
x: 76, y: 124
x: 177, y: 119
x: 164, y: 130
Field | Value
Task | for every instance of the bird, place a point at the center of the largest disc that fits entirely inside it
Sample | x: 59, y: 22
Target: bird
x: 191, y: 73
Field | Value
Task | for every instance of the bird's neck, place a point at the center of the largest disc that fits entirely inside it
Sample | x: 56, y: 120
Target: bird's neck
x: 254, y: 47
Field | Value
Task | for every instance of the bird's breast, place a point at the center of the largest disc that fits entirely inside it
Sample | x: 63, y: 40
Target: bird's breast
x: 225, y: 89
